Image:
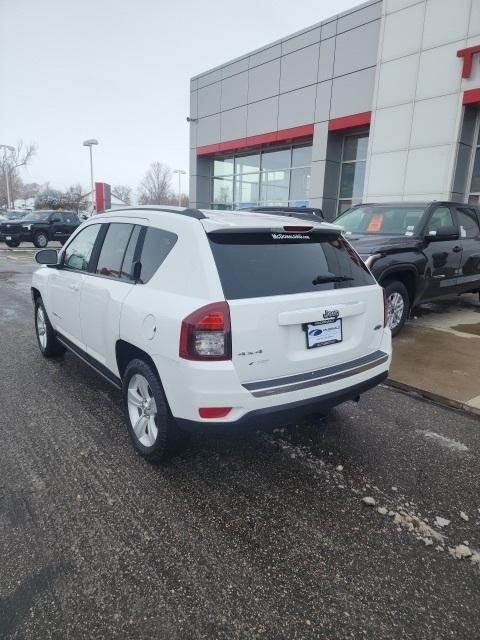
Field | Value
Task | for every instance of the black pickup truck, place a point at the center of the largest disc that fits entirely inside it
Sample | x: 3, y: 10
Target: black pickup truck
x: 417, y: 251
x: 39, y: 227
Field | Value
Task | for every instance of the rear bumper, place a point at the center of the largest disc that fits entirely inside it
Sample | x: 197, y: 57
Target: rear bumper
x: 281, y: 415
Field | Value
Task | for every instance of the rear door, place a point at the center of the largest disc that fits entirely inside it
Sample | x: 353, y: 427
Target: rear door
x: 105, y: 289
x: 298, y: 302
x: 57, y: 226
x: 468, y: 222
x: 71, y: 222
x: 444, y: 256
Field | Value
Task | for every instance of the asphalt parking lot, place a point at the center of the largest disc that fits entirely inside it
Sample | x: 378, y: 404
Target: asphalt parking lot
x: 260, y: 536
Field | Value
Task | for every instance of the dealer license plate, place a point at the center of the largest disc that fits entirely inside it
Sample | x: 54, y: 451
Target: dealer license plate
x: 323, y: 332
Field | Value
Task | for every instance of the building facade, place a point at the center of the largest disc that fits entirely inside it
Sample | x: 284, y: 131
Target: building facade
x: 379, y: 103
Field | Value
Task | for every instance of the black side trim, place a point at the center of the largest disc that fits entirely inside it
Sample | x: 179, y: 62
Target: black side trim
x: 285, y: 414
x: 318, y: 376
x: 99, y: 368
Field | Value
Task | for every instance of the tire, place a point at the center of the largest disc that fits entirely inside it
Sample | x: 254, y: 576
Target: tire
x: 40, y: 240
x: 398, y: 302
x: 12, y: 243
x: 151, y: 426
x: 47, y: 342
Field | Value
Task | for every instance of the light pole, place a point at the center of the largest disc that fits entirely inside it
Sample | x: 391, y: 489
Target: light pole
x: 181, y: 173
x: 6, y: 147
x: 90, y: 143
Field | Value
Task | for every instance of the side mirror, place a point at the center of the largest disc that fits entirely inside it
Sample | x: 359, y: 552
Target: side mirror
x: 444, y: 233
x: 47, y: 256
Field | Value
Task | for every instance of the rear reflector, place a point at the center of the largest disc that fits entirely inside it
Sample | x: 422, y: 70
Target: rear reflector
x: 297, y: 229
x: 214, y: 412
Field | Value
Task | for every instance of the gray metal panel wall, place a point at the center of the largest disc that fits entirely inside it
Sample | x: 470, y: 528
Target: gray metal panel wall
x: 323, y: 72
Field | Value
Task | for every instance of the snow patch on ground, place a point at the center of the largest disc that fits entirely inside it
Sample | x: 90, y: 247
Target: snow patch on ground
x: 443, y: 441
x: 402, y: 515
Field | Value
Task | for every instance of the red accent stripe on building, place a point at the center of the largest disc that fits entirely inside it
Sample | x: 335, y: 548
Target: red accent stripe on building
x: 472, y: 96
x: 348, y: 122
x: 305, y: 130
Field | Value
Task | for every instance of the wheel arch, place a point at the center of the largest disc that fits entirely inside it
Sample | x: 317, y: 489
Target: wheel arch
x: 35, y: 294
x: 125, y: 352
x: 404, y: 274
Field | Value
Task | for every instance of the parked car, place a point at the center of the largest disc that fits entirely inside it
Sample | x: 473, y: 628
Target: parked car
x: 209, y: 319
x: 417, y: 251
x: 39, y: 227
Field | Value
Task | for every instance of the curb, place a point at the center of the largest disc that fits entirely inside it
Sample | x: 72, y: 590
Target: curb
x: 434, y: 397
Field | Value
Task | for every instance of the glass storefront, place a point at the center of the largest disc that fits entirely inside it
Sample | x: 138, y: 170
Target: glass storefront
x: 352, y: 175
x: 267, y: 177
x: 474, y: 190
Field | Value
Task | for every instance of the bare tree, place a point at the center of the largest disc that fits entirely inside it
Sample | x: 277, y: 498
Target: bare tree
x: 29, y: 190
x: 155, y: 187
x: 10, y: 161
x: 74, y: 199
x: 173, y: 199
x: 123, y: 193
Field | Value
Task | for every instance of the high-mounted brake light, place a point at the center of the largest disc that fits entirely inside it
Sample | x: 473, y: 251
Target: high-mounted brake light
x: 206, y: 335
x: 297, y: 229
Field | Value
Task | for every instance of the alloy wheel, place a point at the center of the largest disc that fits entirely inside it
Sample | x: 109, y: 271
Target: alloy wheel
x: 395, y: 309
x: 41, y: 328
x: 142, y: 410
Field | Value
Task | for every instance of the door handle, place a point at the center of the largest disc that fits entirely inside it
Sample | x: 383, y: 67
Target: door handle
x: 73, y: 287
x: 456, y: 249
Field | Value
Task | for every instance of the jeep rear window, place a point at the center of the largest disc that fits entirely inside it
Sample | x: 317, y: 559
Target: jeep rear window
x: 252, y: 265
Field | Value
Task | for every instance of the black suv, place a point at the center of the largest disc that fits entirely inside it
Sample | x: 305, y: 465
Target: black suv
x: 39, y: 227
x: 416, y: 251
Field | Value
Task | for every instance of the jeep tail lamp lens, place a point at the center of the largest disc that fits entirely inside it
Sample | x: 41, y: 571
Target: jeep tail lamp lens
x: 206, y: 335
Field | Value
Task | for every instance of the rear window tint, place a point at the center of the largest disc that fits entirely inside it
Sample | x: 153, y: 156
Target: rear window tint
x: 157, y: 245
x: 271, y: 264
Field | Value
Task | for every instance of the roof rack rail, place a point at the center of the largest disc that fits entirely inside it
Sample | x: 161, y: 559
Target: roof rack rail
x: 304, y: 213
x: 189, y: 211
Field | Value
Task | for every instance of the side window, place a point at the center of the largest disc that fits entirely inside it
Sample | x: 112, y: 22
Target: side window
x: 78, y: 252
x: 441, y: 217
x: 127, y: 265
x: 156, y: 247
x: 69, y: 217
x: 56, y: 217
x: 468, y: 223
x: 113, y: 249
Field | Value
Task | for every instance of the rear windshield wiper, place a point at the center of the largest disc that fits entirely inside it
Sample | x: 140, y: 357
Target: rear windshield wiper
x: 324, y: 279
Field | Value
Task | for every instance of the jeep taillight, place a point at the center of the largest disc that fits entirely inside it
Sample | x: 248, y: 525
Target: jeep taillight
x: 206, y: 335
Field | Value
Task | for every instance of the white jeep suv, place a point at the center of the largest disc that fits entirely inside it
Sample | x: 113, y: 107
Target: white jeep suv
x: 213, y: 319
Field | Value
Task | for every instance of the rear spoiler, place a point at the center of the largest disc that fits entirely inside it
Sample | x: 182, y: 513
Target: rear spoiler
x: 303, y: 213
x: 287, y: 230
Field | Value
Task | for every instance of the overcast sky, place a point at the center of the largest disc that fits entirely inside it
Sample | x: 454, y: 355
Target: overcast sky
x: 119, y: 71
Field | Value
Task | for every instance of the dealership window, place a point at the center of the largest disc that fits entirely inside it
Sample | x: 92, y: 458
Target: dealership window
x: 474, y: 191
x: 352, y: 174
x: 266, y: 177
